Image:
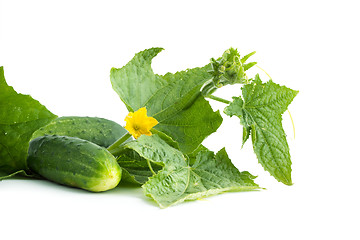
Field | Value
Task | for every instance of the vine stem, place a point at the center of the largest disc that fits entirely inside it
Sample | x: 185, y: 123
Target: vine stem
x: 264, y: 71
x: 150, y: 167
x: 292, y: 121
x: 113, y: 148
x: 218, y: 99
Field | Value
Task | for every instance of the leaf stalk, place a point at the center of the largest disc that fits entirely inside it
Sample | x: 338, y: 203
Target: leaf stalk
x: 219, y: 99
x: 115, y: 148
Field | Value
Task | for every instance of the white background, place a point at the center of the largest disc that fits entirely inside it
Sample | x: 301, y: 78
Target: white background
x: 61, y: 53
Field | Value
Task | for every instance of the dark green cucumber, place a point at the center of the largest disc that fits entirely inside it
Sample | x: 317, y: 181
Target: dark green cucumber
x: 100, y: 131
x: 74, y: 162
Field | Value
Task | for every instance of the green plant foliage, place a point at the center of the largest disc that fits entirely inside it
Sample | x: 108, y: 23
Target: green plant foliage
x: 168, y: 160
x: 136, y: 168
x: 179, y: 180
x: 173, y: 99
x: 20, y: 116
x: 228, y: 69
x: 260, y: 111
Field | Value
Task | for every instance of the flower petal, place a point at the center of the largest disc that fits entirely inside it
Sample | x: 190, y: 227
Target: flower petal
x: 138, y: 123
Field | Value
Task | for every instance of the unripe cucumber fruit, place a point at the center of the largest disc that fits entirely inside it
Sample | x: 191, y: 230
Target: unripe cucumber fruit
x: 100, y: 131
x: 74, y: 162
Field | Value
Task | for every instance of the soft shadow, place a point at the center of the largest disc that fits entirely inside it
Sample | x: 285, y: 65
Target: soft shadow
x: 123, y: 189
x: 134, y: 190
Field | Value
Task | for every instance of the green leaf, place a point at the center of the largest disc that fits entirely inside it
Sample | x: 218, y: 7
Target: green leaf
x: 260, y: 112
x: 135, y: 168
x: 247, y: 56
x: 246, y: 135
x: 166, y: 138
x: 192, y: 156
x: 249, y: 65
x: 191, y: 126
x: 174, y: 100
x: 179, y: 180
x: 20, y: 116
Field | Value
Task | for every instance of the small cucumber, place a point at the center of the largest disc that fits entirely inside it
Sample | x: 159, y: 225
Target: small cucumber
x: 74, y: 162
x: 100, y: 131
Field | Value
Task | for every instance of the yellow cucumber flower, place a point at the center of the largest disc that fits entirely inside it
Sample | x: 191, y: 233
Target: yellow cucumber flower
x: 138, y: 123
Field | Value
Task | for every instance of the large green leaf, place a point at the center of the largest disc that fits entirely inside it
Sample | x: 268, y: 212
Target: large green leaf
x: 181, y: 180
x: 20, y: 116
x: 260, y: 112
x: 173, y: 99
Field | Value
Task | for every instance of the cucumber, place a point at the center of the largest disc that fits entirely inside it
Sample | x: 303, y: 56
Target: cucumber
x: 100, y: 131
x: 74, y: 162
